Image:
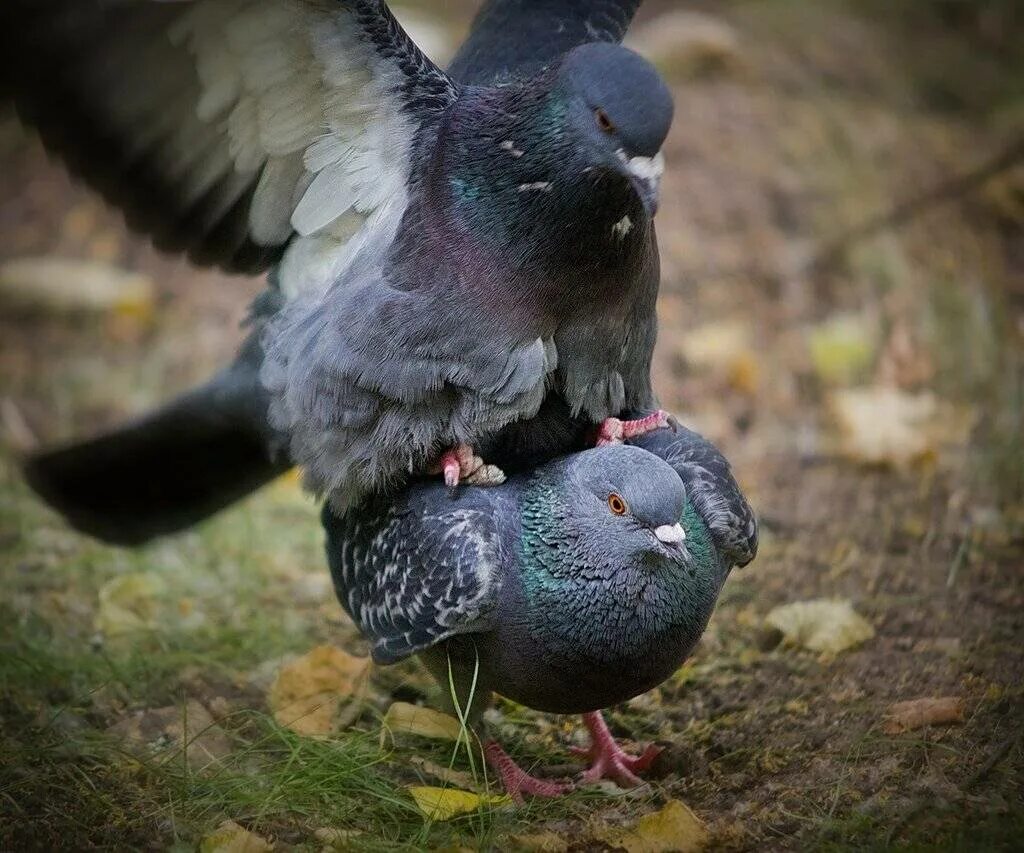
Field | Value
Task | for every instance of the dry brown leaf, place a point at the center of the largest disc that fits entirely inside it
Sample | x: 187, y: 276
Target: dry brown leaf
x: 446, y: 803
x: 822, y: 625
x: 715, y: 346
x: 537, y: 842
x: 885, y: 426
x: 158, y: 728
x: 689, y: 43
x: 229, y: 837
x: 129, y: 603
x: 336, y: 839
x: 929, y: 711
x: 68, y: 286
x: 307, y: 693
x: 448, y: 775
x: 672, y: 829
x: 408, y: 719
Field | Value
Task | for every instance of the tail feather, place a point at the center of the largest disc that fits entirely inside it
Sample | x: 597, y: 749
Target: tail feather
x: 167, y: 470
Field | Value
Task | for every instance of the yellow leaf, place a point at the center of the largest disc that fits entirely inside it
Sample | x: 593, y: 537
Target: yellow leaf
x: 821, y: 625
x: 229, y: 837
x: 672, y: 829
x: 842, y: 348
x: 129, y: 603
x: 405, y: 718
x: 446, y: 803
x: 307, y: 693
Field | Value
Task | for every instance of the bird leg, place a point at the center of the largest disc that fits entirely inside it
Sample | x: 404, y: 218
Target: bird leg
x: 517, y: 781
x: 608, y: 761
x: 461, y: 465
x: 616, y: 431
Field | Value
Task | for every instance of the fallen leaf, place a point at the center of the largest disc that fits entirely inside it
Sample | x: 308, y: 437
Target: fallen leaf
x: 408, y: 719
x: 229, y: 837
x: 164, y: 730
x: 716, y: 346
x: 885, y: 426
x: 689, y: 43
x: 823, y: 625
x: 448, y: 775
x: 672, y: 829
x: 68, y: 286
x: 916, y: 713
x: 129, y: 603
x: 537, y: 842
x: 446, y: 803
x: 336, y: 839
x: 842, y: 348
x: 307, y: 693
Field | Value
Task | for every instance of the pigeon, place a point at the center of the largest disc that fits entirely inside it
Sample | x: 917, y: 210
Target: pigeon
x: 462, y: 266
x: 569, y: 589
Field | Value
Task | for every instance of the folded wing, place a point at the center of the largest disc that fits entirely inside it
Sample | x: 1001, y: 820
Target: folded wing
x: 412, y: 575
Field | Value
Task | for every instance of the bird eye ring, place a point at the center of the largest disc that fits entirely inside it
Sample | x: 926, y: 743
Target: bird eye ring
x: 603, y: 122
x: 616, y: 504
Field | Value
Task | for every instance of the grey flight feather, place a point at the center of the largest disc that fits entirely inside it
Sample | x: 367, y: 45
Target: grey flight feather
x: 207, y: 121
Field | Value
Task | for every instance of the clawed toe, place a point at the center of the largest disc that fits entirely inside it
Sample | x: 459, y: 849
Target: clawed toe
x: 462, y: 465
x: 516, y: 781
x: 615, y: 431
x: 608, y: 761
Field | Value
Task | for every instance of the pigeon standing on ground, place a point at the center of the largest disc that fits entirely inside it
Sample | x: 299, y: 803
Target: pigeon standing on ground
x: 461, y: 264
x: 567, y: 590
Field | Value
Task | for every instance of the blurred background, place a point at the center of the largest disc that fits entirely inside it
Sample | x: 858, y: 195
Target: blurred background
x: 842, y: 312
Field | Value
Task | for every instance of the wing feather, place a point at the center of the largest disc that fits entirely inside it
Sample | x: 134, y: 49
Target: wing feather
x: 413, y: 573
x: 224, y: 128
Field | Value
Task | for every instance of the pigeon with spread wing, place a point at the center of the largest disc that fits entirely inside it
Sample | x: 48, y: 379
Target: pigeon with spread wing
x: 462, y: 264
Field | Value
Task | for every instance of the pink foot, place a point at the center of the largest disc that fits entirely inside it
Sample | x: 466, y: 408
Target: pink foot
x: 462, y: 465
x: 517, y: 781
x: 615, y: 431
x: 608, y: 761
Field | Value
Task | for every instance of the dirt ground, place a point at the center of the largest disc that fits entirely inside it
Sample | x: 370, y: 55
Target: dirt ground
x: 867, y: 387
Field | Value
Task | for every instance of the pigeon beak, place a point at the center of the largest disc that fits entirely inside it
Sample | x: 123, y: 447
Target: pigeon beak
x: 645, y: 173
x: 670, y: 534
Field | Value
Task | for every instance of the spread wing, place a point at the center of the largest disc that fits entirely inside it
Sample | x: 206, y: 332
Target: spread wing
x: 711, y: 486
x: 518, y: 37
x: 414, y: 573
x: 223, y: 128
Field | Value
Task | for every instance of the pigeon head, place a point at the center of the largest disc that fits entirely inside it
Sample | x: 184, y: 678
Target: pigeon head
x: 621, y: 110
x: 610, y: 538
x: 631, y: 501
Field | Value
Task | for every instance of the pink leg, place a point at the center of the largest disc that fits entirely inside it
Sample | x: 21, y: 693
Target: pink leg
x: 615, y: 431
x: 517, y: 781
x: 608, y: 761
x: 460, y: 464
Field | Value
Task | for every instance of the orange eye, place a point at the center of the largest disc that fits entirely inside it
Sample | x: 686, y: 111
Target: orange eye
x: 603, y: 121
x: 617, y: 504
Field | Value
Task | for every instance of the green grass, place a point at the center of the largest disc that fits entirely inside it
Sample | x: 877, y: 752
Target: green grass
x: 65, y: 781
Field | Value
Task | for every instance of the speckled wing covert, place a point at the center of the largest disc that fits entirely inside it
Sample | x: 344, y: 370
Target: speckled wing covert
x: 711, y: 486
x: 226, y: 129
x: 414, y: 573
